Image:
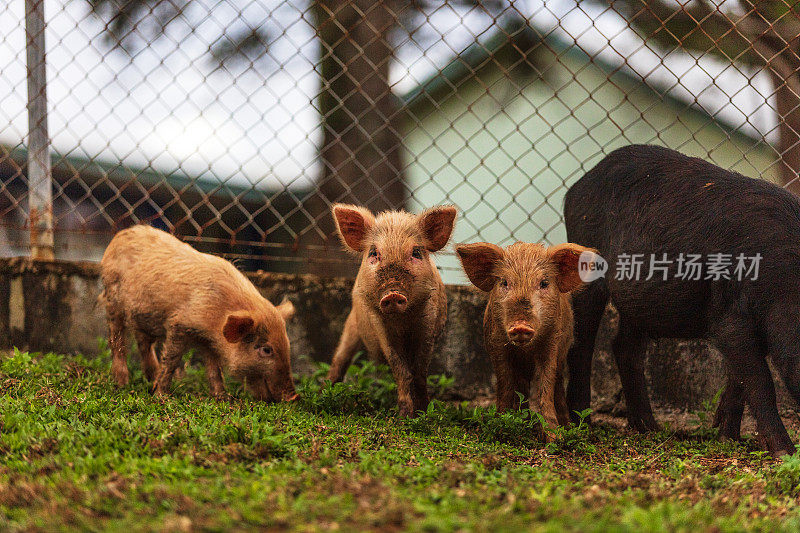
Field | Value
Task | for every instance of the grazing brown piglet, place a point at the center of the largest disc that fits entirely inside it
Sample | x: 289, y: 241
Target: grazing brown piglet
x: 399, y: 300
x: 527, y: 325
x: 168, y: 292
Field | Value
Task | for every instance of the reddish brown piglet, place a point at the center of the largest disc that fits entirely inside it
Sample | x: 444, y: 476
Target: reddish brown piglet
x: 167, y: 292
x: 399, y: 300
x: 528, y: 323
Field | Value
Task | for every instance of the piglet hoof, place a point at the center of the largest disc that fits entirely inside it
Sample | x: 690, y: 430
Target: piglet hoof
x: 221, y: 396
x: 336, y: 372
x: 643, y: 424
x: 180, y: 372
x: 150, y: 375
x: 406, y: 410
x: 727, y: 430
x: 160, y: 396
x: 121, y: 380
x: 120, y: 375
x: 547, y: 435
x: 728, y: 435
x: 777, y: 445
x: 728, y: 424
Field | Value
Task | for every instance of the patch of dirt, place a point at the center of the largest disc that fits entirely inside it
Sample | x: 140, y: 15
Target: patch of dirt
x: 684, y: 421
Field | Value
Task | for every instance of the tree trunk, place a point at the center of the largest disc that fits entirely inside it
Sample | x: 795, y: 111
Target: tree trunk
x: 362, y: 143
x: 361, y: 146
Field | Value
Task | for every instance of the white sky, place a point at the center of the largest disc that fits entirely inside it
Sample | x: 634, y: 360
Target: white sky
x: 170, y: 108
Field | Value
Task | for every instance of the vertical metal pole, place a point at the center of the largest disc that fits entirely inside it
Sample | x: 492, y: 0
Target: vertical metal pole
x: 40, y: 193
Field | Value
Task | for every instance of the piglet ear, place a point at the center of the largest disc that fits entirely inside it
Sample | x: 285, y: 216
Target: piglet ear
x: 566, y: 257
x: 437, y: 226
x: 237, y: 327
x: 285, y: 309
x: 352, y: 224
x: 480, y: 261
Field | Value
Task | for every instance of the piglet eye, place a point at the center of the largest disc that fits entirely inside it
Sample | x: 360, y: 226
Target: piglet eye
x: 544, y: 284
x: 504, y: 283
x: 266, y: 351
x: 416, y: 253
x: 373, y: 252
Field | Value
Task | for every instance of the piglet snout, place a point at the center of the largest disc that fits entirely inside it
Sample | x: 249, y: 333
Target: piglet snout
x: 291, y: 397
x: 520, y: 334
x: 393, y: 302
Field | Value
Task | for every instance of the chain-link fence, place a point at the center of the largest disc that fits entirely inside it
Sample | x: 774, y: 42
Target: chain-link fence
x: 236, y: 124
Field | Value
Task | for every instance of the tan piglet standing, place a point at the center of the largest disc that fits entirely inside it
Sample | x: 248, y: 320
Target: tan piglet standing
x: 399, y: 301
x: 167, y: 292
x: 528, y: 321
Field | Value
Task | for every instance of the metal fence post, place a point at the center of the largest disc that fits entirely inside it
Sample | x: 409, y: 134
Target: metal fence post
x: 40, y: 194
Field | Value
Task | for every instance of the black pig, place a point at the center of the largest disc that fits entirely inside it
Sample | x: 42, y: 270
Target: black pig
x: 652, y: 200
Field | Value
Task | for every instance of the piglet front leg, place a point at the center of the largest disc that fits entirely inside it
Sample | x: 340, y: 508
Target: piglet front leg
x: 409, y: 399
x: 175, y: 345
x: 214, y: 376
x: 419, y: 390
x: 547, y: 384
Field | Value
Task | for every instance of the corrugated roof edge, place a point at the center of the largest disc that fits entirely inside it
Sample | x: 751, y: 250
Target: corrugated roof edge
x: 94, y: 170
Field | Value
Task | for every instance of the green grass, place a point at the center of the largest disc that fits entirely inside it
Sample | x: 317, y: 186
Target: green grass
x: 79, y: 454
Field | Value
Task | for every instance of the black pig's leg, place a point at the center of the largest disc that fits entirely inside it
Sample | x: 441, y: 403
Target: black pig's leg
x: 629, y: 352
x: 588, y: 307
x: 787, y: 361
x: 747, y: 365
x: 784, y: 348
x: 760, y: 394
x: 728, y: 417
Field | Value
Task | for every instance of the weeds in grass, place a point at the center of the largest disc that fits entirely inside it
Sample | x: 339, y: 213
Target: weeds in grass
x: 705, y: 415
x: 575, y: 439
x: 367, y: 388
x: 518, y: 427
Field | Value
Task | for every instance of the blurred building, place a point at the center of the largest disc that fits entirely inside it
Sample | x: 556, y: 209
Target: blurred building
x: 510, y: 124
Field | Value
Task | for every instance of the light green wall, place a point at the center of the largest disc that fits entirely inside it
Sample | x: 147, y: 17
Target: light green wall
x: 506, y: 156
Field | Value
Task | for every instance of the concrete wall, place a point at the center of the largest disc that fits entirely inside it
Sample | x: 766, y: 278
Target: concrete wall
x: 52, y: 307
